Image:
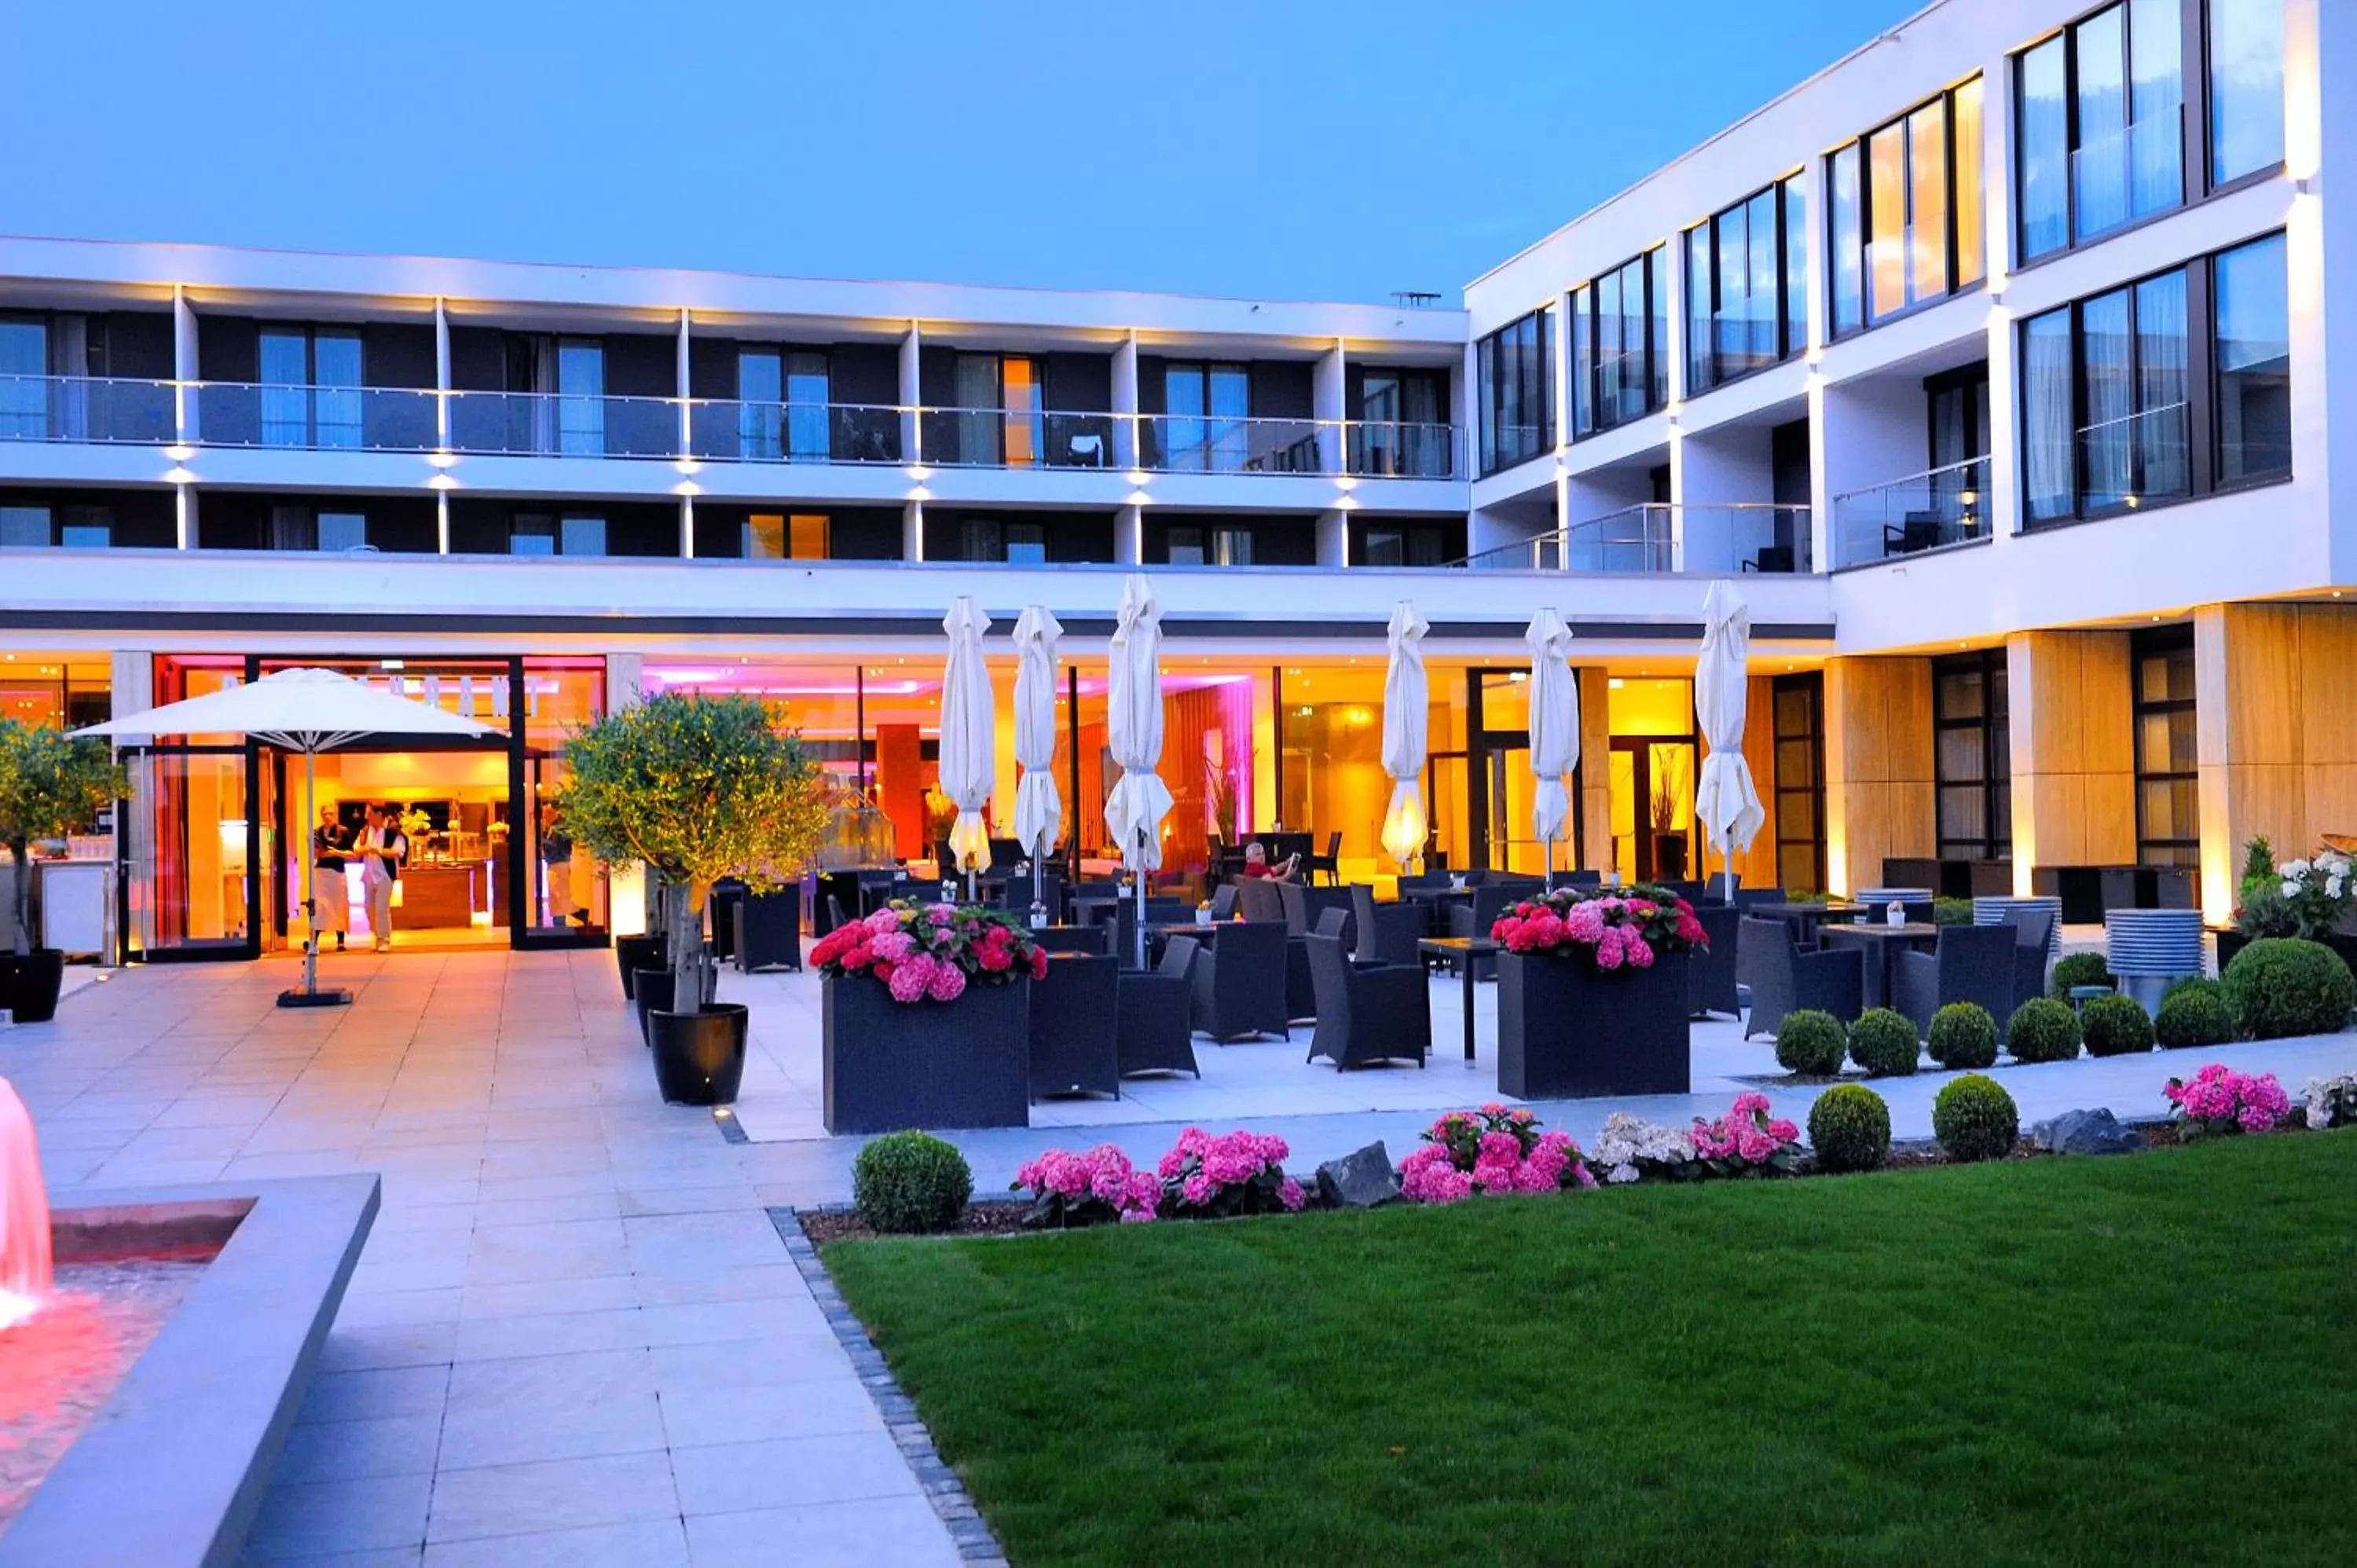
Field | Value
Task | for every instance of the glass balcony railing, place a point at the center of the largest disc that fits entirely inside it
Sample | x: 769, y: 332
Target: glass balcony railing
x: 1400, y: 450
x: 1942, y: 506
x: 725, y: 432
x: 1212, y: 444
x: 85, y: 408
x: 2135, y: 459
x: 1657, y: 537
x: 563, y: 424
x: 1013, y: 438
x: 2129, y: 173
x: 367, y: 419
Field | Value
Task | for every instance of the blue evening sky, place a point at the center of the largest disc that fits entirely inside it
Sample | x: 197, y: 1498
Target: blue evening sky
x: 1339, y: 149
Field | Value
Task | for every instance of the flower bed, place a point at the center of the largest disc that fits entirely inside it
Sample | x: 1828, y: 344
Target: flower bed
x: 1203, y: 1176
x: 1613, y: 928
x: 2218, y: 1099
x: 1494, y: 1151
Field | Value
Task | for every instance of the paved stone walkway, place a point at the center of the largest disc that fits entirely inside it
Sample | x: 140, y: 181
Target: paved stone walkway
x: 574, y: 1336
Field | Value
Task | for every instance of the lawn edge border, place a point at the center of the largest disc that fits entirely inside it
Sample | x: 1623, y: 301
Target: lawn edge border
x: 947, y: 1493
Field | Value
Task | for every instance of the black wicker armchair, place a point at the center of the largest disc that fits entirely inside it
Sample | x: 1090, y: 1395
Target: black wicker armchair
x: 1370, y: 1013
x: 1972, y: 963
x: 1387, y: 932
x: 1076, y: 1020
x: 1240, y: 982
x: 1710, y: 972
x: 1785, y: 979
x: 1152, y: 1013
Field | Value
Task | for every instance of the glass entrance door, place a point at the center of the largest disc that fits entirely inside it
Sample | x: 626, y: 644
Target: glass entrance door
x: 564, y: 896
x: 188, y: 841
x: 1652, y: 809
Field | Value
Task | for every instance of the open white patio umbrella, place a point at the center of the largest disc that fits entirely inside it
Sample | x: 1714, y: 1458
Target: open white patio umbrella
x: 1406, y: 701
x: 309, y: 711
x: 969, y: 763
x: 1554, y: 728
x: 1726, y: 803
x: 1134, y: 810
x: 1039, y: 808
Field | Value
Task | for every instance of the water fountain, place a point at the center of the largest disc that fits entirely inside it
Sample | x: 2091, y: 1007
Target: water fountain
x: 25, y: 1270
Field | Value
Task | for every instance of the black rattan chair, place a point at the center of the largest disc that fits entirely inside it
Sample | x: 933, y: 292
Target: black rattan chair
x: 1785, y: 979
x: 2033, y: 936
x: 1367, y: 1014
x: 1075, y: 1029
x: 1224, y: 901
x: 1972, y: 963
x: 1330, y: 863
x: 1387, y: 932
x: 1710, y: 972
x: 1474, y: 919
x: 1240, y: 982
x: 1097, y: 940
x: 1152, y: 1011
x: 1258, y: 899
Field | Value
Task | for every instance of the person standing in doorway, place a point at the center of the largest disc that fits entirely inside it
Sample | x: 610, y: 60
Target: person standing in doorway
x: 556, y: 858
x: 383, y: 849
x: 331, y: 908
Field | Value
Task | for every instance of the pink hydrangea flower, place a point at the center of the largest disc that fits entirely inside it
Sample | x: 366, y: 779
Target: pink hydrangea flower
x: 895, y: 944
x: 912, y: 978
x: 948, y: 983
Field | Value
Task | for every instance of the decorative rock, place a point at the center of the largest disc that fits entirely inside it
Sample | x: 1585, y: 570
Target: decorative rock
x: 1362, y: 1179
x: 2086, y: 1133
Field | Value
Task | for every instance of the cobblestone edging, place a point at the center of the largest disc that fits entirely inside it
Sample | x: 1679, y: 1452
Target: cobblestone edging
x: 976, y: 1544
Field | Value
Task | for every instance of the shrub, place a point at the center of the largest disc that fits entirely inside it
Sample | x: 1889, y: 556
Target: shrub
x: 2194, y: 1012
x: 2043, y: 1030
x: 1975, y: 1119
x: 911, y: 1182
x: 1964, y: 1035
x: 2078, y: 969
x: 2115, y: 1027
x: 1884, y: 1043
x: 1208, y: 1176
x: 1811, y: 1042
x: 2192, y: 982
x: 1849, y: 1126
x: 1952, y: 911
x: 2219, y: 1100
x: 2282, y: 985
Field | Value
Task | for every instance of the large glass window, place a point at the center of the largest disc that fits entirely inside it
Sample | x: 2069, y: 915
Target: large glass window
x: 1747, y: 305
x: 1208, y: 405
x: 1905, y: 225
x: 1971, y: 756
x: 2246, y: 109
x: 1800, y: 782
x: 2102, y: 124
x: 310, y: 387
x: 760, y: 390
x: 1516, y: 369
x: 808, y: 424
x: 581, y: 397
x: 1620, y: 344
x: 2254, y: 368
x: 2168, y: 795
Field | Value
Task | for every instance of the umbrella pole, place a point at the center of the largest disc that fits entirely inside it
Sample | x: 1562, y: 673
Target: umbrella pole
x: 310, y: 874
x: 1140, y: 890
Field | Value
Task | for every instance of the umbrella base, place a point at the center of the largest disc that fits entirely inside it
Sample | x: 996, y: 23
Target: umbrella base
x: 327, y: 996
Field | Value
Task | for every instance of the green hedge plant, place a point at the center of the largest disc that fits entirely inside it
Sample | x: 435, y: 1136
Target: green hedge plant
x: 910, y: 1183
x: 2280, y: 986
x: 2194, y: 1012
x: 1975, y: 1119
x: 2115, y: 1027
x: 1811, y: 1043
x: 2043, y: 1030
x: 1884, y: 1044
x: 2073, y: 970
x: 1850, y: 1127
x: 1963, y: 1035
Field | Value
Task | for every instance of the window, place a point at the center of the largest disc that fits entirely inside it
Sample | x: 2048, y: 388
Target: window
x: 1905, y: 225
x: 809, y: 421
x: 2102, y: 121
x: 1620, y: 344
x: 1403, y: 544
x: 1516, y: 370
x: 2254, y: 360
x: 1402, y: 427
x: 781, y: 536
x: 1747, y: 300
x: 2246, y: 109
x: 343, y: 530
x: 1800, y: 789
x: 760, y: 391
x: 2168, y: 795
x: 24, y: 528
x: 993, y: 539
x: 580, y: 397
x: 2115, y: 388
x: 24, y: 385
x: 539, y: 534
x: 310, y: 381
x: 1207, y: 407
x: 1193, y: 546
x: 1972, y: 757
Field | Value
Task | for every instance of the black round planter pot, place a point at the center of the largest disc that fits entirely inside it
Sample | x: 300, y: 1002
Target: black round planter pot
x: 29, y: 985
x: 700, y: 1057
x: 655, y: 990
x: 634, y: 954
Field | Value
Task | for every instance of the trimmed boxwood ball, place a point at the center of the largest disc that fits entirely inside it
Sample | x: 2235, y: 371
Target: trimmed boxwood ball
x: 1884, y: 1043
x: 1964, y: 1035
x: 1975, y: 1119
x: 2043, y: 1030
x: 2078, y: 969
x: 1811, y: 1042
x: 2194, y: 1012
x: 2115, y: 1027
x: 1850, y: 1127
x: 911, y: 1182
x: 2280, y: 986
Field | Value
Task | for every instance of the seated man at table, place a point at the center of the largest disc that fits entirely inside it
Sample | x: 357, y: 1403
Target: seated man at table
x: 1256, y: 863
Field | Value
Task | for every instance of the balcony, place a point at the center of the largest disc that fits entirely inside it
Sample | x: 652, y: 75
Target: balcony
x: 1658, y: 538
x: 358, y: 419
x: 85, y: 408
x: 1400, y: 449
x: 1201, y: 444
x: 726, y: 432
x: 1015, y: 438
x: 1929, y: 511
x: 563, y: 425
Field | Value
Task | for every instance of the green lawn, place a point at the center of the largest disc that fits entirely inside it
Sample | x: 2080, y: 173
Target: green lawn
x: 2150, y: 1359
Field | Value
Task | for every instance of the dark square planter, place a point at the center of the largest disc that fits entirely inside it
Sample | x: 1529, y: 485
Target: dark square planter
x: 891, y: 1065
x: 1566, y: 1032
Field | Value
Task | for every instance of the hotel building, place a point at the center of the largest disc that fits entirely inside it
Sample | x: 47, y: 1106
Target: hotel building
x: 1994, y: 362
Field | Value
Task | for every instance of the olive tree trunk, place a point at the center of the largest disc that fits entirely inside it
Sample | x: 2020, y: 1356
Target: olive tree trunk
x: 691, y: 959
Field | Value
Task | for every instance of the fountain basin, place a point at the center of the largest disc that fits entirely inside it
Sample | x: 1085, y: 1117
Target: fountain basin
x: 169, y: 1471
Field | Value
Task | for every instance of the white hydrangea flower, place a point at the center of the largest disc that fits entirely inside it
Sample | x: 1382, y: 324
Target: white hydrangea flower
x: 2291, y: 889
x: 2292, y: 870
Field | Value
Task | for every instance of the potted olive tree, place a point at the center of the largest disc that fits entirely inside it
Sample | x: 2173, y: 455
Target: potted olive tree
x: 697, y: 788
x: 49, y: 786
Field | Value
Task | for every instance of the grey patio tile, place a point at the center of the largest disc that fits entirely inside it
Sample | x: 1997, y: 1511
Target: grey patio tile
x: 679, y: 1242
x: 550, y: 1334
x: 390, y: 1391
x: 531, y: 1298
x: 790, y: 1473
x: 353, y: 1347
x: 340, y: 1516
x: 354, y: 1450
x: 646, y: 1543
x: 566, y: 1406
x: 698, y: 1414
x: 510, y: 1501
x: 883, y: 1532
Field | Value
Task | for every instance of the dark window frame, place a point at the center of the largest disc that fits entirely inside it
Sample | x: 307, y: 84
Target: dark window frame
x: 1787, y: 190
x: 2144, y: 645
x: 1585, y: 373
x: 1856, y: 147
x: 1813, y: 684
x: 1995, y: 730
x: 1495, y: 456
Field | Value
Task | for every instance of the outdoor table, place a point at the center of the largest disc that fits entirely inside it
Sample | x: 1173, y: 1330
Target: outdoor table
x: 1435, y: 902
x: 1881, y: 940
x: 1158, y: 935
x: 1804, y: 918
x: 1463, y: 950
